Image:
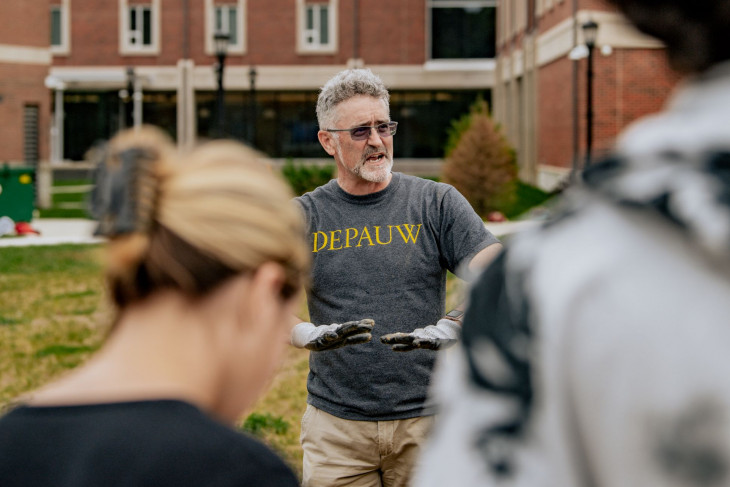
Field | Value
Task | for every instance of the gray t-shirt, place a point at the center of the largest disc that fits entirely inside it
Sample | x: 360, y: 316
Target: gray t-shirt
x: 383, y: 256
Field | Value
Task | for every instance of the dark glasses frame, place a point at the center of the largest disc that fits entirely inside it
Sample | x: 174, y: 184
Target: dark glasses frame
x: 385, y: 129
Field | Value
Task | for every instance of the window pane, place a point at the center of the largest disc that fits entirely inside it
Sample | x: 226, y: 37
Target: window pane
x: 310, y: 18
x: 323, y: 25
x: 147, y: 26
x: 463, y: 33
x: 55, y: 26
x: 133, y: 18
x: 218, y: 19
x: 232, y: 25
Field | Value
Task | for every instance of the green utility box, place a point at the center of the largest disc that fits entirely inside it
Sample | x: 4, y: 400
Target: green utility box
x: 17, y: 192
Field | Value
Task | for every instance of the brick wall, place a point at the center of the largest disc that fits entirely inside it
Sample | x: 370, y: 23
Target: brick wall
x: 23, y: 83
x: 628, y: 84
x: 26, y: 23
x: 390, y: 33
x: 555, y: 114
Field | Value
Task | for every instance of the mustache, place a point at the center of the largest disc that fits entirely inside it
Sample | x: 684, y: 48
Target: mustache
x: 369, y: 151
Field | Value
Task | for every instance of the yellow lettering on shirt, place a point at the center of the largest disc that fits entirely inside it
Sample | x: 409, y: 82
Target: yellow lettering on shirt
x: 324, y: 244
x: 334, y: 239
x: 377, y: 235
x: 409, y: 228
x: 349, y: 236
x: 363, y: 235
x: 353, y: 237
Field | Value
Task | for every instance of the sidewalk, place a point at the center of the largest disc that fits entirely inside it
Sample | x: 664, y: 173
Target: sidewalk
x: 56, y: 231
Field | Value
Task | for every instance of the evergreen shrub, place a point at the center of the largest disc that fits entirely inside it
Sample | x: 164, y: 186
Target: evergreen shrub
x: 480, y: 163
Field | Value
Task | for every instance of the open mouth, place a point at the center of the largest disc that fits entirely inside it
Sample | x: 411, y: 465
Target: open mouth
x: 375, y: 157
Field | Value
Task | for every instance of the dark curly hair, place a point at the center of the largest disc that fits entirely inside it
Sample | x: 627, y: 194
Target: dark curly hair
x: 694, y: 31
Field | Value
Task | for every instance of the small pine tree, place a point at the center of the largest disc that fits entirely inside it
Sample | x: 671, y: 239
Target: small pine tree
x: 480, y: 163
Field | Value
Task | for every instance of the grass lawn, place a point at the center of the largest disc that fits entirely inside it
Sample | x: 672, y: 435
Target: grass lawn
x: 65, y: 204
x: 54, y: 315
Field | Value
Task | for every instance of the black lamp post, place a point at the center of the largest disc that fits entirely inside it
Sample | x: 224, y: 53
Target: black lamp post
x: 252, y: 106
x: 220, y: 40
x: 128, y: 99
x: 590, y: 31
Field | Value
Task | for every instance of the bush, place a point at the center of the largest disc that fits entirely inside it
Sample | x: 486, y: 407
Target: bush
x: 256, y: 424
x: 304, y: 178
x: 480, y: 163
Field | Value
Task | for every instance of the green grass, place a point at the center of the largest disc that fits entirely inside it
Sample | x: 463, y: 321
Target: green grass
x: 71, y: 182
x: 52, y: 314
x: 527, y: 197
x: 67, y: 205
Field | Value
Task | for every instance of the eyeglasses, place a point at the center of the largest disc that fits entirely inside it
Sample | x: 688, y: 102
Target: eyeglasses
x: 386, y: 129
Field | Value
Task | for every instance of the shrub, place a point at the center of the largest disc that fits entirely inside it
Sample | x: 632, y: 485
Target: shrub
x: 304, y: 178
x: 257, y: 423
x: 480, y: 163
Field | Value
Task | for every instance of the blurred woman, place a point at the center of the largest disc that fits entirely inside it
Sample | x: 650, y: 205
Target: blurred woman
x: 205, y: 257
x: 595, y: 350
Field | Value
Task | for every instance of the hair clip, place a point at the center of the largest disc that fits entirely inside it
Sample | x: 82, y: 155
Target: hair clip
x: 115, y: 200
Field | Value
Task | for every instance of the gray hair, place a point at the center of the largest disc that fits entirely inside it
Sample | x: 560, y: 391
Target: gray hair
x: 343, y: 86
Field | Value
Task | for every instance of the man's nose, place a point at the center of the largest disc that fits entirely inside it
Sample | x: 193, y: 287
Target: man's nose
x: 373, y: 137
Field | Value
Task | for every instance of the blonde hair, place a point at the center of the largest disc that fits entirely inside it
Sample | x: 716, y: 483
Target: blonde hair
x: 199, y: 219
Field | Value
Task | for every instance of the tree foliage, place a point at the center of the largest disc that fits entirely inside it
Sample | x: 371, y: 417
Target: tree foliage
x: 480, y: 163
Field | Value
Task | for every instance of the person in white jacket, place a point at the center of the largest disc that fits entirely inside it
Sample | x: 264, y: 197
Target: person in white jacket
x: 596, y: 350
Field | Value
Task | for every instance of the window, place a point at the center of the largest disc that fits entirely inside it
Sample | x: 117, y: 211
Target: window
x: 229, y: 18
x: 140, y: 26
x: 317, y: 26
x: 316, y: 29
x: 139, y: 30
x: 462, y: 29
x: 225, y: 22
x: 59, y: 28
x: 56, y: 26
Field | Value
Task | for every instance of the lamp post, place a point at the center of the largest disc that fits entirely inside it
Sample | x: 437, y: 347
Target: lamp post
x: 220, y: 40
x: 590, y: 31
x: 128, y: 98
x: 252, y: 106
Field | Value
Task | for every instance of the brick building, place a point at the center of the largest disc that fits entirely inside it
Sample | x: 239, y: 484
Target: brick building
x: 25, y: 59
x: 540, y: 93
x: 119, y: 62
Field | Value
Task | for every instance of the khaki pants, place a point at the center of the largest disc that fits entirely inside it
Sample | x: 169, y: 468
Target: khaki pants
x: 341, y: 452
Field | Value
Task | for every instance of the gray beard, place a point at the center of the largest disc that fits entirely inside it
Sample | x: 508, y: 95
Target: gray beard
x: 362, y: 171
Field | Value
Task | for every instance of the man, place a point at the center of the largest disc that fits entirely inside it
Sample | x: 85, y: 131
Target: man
x: 381, y: 244
x: 596, y: 351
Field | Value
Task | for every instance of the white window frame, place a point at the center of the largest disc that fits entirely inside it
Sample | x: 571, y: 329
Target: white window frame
x: 303, y: 47
x: 125, y: 46
x: 64, y: 48
x: 239, y: 47
x: 434, y: 4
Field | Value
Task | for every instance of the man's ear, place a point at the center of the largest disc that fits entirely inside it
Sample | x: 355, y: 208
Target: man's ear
x: 327, y: 141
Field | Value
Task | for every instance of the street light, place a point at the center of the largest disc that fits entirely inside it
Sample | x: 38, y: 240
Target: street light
x: 252, y: 106
x: 220, y: 41
x: 590, y: 32
x: 128, y: 98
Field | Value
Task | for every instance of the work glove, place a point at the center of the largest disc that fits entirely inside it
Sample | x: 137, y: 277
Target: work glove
x: 328, y: 337
x: 433, y: 337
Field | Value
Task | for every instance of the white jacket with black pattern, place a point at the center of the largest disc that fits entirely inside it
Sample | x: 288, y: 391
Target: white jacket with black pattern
x: 596, y: 350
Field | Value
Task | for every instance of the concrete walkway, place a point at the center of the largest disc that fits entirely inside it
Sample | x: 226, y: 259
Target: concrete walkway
x: 56, y: 231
